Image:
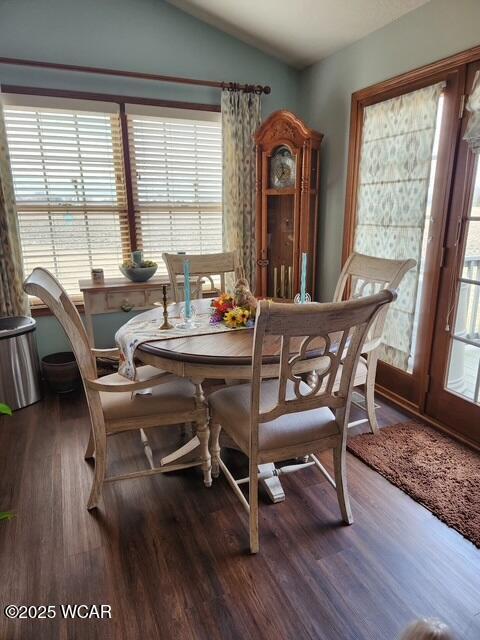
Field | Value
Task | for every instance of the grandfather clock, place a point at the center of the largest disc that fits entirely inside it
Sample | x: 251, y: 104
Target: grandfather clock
x: 288, y: 176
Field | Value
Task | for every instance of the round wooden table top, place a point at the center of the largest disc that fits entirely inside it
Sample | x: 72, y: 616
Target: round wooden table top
x: 229, y: 348
x: 217, y: 350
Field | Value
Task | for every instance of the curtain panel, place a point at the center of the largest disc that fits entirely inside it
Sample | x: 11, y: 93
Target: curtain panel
x: 241, y: 117
x: 392, y: 199
x: 13, y: 300
x: 472, y: 132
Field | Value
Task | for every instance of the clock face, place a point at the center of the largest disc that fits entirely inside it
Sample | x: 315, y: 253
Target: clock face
x: 282, y: 169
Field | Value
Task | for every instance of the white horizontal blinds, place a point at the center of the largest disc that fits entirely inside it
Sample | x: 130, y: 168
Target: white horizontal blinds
x: 177, y: 184
x: 394, y: 177
x: 68, y: 178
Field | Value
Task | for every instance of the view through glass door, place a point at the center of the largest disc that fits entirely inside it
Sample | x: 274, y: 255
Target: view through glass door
x: 404, y: 176
x: 454, y: 393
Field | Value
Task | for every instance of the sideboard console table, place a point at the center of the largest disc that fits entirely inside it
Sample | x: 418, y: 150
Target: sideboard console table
x: 119, y: 294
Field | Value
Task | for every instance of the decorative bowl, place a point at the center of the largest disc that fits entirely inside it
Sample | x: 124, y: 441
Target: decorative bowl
x: 138, y: 274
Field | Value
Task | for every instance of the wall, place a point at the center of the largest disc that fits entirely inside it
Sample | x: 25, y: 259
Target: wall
x: 436, y: 30
x: 138, y: 35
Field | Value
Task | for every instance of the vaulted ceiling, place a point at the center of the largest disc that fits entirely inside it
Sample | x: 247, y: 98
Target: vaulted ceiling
x: 298, y: 31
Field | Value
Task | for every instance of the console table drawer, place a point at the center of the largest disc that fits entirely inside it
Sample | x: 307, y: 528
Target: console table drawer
x: 119, y: 294
x: 156, y: 295
x: 126, y: 300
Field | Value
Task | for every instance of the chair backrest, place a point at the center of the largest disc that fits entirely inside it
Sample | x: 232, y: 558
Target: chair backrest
x: 328, y: 335
x: 366, y: 275
x: 42, y: 284
x: 202, y: 267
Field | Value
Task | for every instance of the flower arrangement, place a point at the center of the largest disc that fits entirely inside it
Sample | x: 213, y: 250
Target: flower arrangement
x: 224, y: 309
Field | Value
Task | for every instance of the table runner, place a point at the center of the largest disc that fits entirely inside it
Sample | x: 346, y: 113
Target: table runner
x: 146, y: 328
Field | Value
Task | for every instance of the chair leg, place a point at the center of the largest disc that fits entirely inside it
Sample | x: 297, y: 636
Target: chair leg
x: 339, y: 463
x: 99, y: 473
x: 203, y: 433
x: 215, y: 448
x: 253, y: 501
x: 90, y: 446
x: 370, y: 392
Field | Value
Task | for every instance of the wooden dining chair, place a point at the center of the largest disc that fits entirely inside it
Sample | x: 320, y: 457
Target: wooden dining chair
x: 284, y: 418
x: 206, y: 267
x: 361, y: 276
x: 113, y: 401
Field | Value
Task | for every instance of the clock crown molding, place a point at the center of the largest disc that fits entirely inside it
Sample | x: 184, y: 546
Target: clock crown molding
x: 283, y: 127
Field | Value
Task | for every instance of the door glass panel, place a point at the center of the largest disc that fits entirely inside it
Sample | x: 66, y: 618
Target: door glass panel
x: 394, y: 185
x: 464, y: 365
x: 464, y: 370
x: 471, y: 264
x: 467, y: 322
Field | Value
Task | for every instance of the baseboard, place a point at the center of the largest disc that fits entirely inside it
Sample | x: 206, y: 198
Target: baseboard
x: 411, y: 409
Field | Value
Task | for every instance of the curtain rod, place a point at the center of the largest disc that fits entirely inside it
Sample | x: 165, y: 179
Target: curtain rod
x: 232, y: 86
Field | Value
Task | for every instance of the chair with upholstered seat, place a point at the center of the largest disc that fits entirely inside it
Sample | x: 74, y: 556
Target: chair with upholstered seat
x: 364, y: 275
x: 207, y: 267
x: 154, y: 399
x: 283, y: 418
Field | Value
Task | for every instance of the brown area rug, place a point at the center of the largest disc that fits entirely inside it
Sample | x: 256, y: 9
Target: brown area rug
x: 435, y: 470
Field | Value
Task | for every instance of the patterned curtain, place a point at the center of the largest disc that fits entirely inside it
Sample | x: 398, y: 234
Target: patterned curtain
x: 472, y: 133
x: 241, y: 117
x: 13, y: 300
x: 394, y: 176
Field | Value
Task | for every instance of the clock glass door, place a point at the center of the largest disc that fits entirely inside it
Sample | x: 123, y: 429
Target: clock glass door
x: 280, y: 243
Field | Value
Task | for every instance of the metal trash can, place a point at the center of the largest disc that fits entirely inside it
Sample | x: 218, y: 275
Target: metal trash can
x: 19, y: 366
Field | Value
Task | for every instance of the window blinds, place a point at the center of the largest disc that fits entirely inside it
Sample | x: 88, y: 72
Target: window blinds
x: 394, y: 177
x: 177, y: 185
x: 68, y: 178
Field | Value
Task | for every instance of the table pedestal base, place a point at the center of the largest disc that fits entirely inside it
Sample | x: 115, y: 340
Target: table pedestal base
x: 272, y: 484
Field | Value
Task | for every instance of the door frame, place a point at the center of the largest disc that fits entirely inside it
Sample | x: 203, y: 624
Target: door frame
x: 441, y: 402
x: 411, y: 389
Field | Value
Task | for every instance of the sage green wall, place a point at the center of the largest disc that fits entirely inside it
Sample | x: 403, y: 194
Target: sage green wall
x: 138, y: 35
x: 434, y: 31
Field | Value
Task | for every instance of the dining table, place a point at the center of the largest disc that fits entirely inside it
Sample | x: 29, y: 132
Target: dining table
x: 223, y: 356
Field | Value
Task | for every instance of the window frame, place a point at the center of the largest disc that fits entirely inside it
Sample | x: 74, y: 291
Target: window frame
x: 121, y: 101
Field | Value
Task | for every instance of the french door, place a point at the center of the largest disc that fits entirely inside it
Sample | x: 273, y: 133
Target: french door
x: 436, y: 327
x: 454, y: 380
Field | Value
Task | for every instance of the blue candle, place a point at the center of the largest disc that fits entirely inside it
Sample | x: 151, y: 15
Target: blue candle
x: 186, y: 285
x: 137, y: 257
x: 303, y: 279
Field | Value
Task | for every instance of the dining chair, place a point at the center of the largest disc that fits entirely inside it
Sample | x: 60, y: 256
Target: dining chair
x: 365, y: 275
x: 202, y: 267
x: 115, y: 404
x: 282, y: 418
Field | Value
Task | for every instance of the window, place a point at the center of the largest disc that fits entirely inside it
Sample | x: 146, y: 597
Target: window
x: 177, y: 184
x: 68, y: 169
x: 68, y: 181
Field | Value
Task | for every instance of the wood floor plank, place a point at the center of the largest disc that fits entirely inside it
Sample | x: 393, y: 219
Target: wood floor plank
x: 171, y: 557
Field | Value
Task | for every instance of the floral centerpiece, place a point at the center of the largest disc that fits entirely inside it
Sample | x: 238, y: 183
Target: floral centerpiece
x: 237, y: 310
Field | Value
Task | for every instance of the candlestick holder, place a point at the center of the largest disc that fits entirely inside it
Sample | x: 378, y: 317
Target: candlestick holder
x: 188, y: 321
x: 166, y: 324
x: 298, y: 299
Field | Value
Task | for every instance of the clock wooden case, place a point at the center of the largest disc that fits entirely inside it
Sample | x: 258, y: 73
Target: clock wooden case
x: 288, y: 178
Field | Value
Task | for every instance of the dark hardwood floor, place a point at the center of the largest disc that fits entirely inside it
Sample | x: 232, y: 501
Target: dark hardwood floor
x: 170, y: 556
